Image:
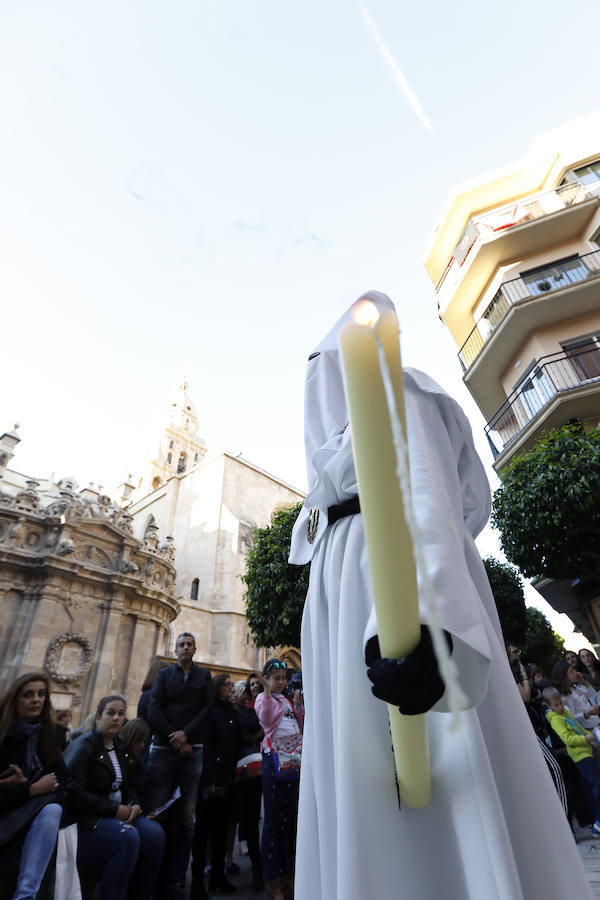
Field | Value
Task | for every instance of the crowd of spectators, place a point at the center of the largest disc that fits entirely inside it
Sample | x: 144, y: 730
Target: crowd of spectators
x: 564, y: 709
x: 118, y: 807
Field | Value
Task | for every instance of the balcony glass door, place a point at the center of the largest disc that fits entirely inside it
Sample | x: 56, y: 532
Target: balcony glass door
x: 584, y: 357
x: 552, y: 278
x: 536, y: 391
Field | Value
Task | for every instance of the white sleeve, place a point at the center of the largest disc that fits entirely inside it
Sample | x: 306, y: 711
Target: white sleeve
x: 436, y: 441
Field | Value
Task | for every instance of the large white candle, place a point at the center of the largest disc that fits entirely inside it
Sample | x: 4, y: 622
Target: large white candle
x: 389, y: 544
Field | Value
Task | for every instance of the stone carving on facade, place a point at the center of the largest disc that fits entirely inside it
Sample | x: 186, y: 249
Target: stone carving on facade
x: 94, y: 556
x: 28, y: 500
x: 151, y: 542
x: 57, y: 509
x: 122, y: 520
x: 168, y: 548
x: 75, y: 559
x: 68, y: 657
x: 65, y: 547
x: 17, y: 531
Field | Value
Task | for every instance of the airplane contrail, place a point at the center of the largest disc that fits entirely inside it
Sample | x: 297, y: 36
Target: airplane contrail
x: 399, y: 76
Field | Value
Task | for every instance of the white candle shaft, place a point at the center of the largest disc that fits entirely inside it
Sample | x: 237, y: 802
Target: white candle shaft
x: 389, y: 545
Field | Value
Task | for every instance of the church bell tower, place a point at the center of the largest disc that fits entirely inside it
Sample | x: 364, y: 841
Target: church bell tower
x: 180, y: 447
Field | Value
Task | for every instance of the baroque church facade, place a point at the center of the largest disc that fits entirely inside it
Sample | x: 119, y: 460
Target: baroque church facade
x: 80, y: 596
x: 93, y: 587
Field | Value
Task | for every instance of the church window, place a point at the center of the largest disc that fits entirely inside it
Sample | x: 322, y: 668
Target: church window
x: 155, y: 482
x: 195, y: 457
x: 170, y: 445
x: 194, y: 591
x: 169, y: 459
x: 182, y: 463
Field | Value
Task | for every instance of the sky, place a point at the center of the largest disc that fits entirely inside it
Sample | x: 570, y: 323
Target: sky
x: 201, y: 188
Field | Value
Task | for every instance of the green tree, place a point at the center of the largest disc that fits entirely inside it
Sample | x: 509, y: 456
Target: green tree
x: 275, y: 590
x: 548, y: 506
x: 507, y: 589
x: 542, y: 645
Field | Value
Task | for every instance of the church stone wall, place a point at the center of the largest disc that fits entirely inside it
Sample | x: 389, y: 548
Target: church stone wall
x: 80, y: 596
x: 211, y: 512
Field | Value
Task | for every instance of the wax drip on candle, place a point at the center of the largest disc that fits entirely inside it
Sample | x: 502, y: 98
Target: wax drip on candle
x: 448, y: 668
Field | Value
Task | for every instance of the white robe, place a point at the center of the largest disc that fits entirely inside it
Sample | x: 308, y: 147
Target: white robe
x: 494, y: 827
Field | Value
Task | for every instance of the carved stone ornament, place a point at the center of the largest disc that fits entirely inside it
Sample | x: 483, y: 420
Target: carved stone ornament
x: 68, y: 657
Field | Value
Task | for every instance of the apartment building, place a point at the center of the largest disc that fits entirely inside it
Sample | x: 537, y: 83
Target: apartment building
x: 515, y: 260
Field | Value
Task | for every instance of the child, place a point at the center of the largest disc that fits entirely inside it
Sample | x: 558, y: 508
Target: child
x: 577, y: 741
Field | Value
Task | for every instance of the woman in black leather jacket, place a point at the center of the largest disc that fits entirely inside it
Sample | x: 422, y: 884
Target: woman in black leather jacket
x: 113, y: 834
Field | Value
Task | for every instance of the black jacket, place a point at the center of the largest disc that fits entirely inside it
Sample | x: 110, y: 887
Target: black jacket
x: 92, y: 776
x: 252, y: 733
x: 12, y: 752
x: 222, y: 750
x: 179, y: 705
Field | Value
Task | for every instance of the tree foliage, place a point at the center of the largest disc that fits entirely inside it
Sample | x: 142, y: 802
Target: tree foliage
x: 548, y: 506
x: 542, y: 645
x: 507, y: 589
x: 275, y: 590
x: 526, y: 626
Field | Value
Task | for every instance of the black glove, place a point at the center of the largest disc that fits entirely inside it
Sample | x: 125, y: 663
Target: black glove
x: 413, y: 683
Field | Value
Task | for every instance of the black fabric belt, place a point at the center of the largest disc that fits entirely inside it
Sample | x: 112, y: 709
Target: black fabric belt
x: 348, y: 508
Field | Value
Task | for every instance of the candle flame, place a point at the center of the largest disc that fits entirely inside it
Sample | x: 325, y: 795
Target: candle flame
x: 365, y: 313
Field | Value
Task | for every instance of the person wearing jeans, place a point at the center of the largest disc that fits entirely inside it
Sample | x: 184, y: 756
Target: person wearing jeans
x: 113, y: 835
x: 32, y: 853
x: 178, y: 711
x: 31, y: 777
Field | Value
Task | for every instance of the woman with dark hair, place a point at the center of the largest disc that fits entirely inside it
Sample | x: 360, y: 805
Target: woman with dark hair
x: 589, y: 666
x: 151, y: 674
x: 567, y: 679
x: 254, y: 688
x: 135, y: 734
x: 571, y: 658
x: 30, y: 774
x: 283, y: 723
x: 215, y: 797
x: 113, y: 834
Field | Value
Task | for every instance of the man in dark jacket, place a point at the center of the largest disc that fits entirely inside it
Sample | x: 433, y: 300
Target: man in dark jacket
x: 178, y: 712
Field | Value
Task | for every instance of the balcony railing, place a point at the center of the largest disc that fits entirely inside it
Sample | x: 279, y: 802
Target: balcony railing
x: 554, y: 277
x: 551, y: 375
x: 516, y: 213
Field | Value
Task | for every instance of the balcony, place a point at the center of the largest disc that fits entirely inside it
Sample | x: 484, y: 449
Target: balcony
x: 532, y: 225
x: 571, y: 374
x: 512, y: 293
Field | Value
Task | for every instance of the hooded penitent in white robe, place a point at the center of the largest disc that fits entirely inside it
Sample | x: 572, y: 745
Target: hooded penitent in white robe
x: 494, y: 828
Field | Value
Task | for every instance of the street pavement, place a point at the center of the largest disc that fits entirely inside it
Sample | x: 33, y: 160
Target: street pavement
x: 587, y: 844
x: 589, y: 850
x: 243, y: 881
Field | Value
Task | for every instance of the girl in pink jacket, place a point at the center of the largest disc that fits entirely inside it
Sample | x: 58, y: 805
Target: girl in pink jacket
x: 280, y: 718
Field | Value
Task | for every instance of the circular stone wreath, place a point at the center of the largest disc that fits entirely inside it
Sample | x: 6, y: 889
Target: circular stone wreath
x: 53, y: 651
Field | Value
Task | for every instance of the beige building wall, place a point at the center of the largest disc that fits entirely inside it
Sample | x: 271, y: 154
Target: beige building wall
x: 211, y: 512
x: 546, y: 341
